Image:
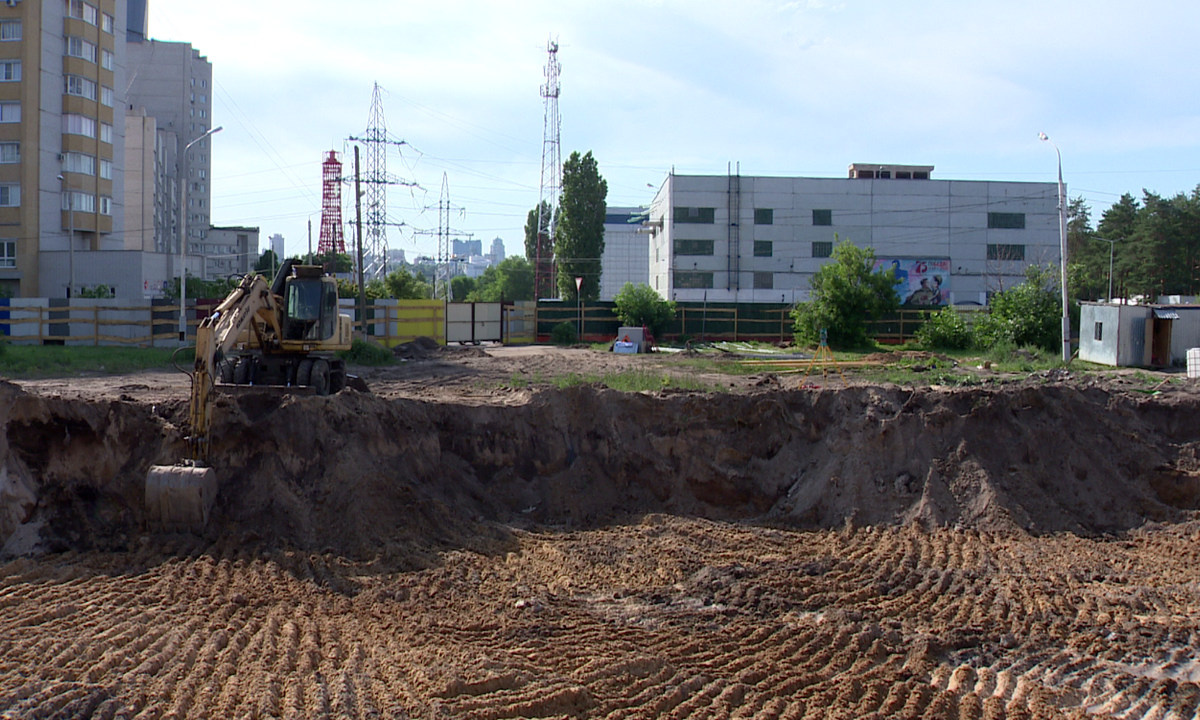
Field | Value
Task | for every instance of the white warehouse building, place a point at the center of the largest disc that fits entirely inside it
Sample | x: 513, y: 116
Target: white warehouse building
x: 760, y: 239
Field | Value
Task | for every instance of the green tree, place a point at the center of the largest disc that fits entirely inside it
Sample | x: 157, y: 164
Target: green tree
x: 512, y: 279
x: 638, y: 305
x: 540, y: 249
x: 1027, y: 314
x: 461, y: 286
x: 334, y: 262
x: 531, y: 228
x: 401, y: 285
x: 845, y: 295
x: 579, y: 232
x: 267, y: 264
x: 374, y: 290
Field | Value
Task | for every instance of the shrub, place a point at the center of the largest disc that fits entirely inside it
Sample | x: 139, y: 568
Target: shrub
x: 363, y: 352
x: 1028, y: 314
x: 945, y: 329
x: 563, y: 333
x: 638, y: 305
x: 846, y: 294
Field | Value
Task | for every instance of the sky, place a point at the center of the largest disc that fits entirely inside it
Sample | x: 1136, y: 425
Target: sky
x: 801, y: 88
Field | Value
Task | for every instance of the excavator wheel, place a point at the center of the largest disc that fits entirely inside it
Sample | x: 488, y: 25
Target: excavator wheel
x: 179, y: 498
x: 304, y: 373
x: 320, y: 377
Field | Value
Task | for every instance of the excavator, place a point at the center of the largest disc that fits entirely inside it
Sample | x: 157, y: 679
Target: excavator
x: 285, y: 335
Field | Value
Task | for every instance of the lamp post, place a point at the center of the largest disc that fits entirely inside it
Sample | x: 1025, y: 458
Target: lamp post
x: 1111, y: 245
x: 70, y: 238
x: 1062, y: 238
x: 183, y: 239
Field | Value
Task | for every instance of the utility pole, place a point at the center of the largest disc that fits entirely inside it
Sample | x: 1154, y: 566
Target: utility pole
x: 544, y: 282
x: 362, y: 288
x: 444, y: 234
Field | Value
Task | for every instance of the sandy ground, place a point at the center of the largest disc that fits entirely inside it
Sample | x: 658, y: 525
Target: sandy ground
x: 468, y: 541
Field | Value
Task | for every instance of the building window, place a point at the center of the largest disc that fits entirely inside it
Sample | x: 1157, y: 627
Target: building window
x: 10, y: 152
x: 693, y: 247
x: 105, y: 169
x: 79, y: 163
x: 10, y: 112
x: 80, y: 87
x: 79, y: 125
x: 106, y: 23
x: 693, y: 280
x: 10, y: 71
x: 1098, y: 332
x: 822, y: 249
x: 80, y: 202
x: 8, y: 253
x: 1006, y: 221
x: 106, y: 59
x: 81, y: 10
x: 105, y: 205
x: 695, y: 215
x: 10, y: 196
x: 1005, y: 252
x: 763, y: 248
x: 764, y: 281
x: 106, y: 133
x: 764, y: 216
x: 10, y: 30
x: 822, y: 217
x: 80, y: 48
x: 203, y: 98
x: 106, y: 96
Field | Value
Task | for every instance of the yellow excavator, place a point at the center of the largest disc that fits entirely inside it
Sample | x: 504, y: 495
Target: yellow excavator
x: 283, y: 335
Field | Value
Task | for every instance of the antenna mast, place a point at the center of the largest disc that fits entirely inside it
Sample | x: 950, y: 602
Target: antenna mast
x: 331, y: 240
x: 551, y: 184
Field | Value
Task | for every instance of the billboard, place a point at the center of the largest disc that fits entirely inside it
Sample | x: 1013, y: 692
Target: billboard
x: 921, y: 283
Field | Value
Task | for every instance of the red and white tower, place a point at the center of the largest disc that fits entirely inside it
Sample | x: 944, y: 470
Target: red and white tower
x: 331, y: 206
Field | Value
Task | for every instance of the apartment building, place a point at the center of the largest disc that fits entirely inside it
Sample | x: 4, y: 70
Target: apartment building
x: 230, y: 251
x: 761, y: 239
x: 61, y: 143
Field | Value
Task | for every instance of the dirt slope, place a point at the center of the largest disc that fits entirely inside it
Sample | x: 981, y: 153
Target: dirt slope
x: 777, y: 551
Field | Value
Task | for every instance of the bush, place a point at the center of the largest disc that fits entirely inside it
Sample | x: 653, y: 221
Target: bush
x: 364, y: 352
x: 1028, y: 314
x: 563, y: 333
x: 846, y: 294
x: 638, y: 305
x: 945, y: 329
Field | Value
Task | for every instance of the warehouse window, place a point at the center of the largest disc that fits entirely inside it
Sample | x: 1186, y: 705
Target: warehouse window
x: 822, y: 217
x: 1098, y: 332
x: 1005, y: 252
x: 763, y: 248
x: 764, y: 216
x: 764, y: 281
x: 1006, y: 221
x: 8, y: 253
x: 822, y: 249
x: 693, y: 280
x: 695, y: 215
x: 693, y: 247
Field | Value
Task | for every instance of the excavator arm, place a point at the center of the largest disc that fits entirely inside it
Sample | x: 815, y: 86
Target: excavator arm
x: 251, y: 305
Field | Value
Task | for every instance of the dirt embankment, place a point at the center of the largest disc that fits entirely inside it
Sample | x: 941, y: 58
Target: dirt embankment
x: 361, y: 475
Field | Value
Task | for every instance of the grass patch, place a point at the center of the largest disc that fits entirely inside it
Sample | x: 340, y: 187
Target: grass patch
x: 40, y: 361
x: 627, y: 381
x: 362, y: 352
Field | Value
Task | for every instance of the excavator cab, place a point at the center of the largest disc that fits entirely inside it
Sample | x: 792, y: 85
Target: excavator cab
x: 310, y: 306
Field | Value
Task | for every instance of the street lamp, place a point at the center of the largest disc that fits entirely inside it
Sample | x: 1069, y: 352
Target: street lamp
x: 182, y: 238
x: 1062, y: 238
x: 70, y: 238
x: 1111, y: 244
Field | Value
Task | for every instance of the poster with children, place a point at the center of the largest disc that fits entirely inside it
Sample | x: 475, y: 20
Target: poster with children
x: 919, y: 283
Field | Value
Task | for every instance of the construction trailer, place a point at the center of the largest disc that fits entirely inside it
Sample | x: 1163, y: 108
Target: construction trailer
x: 1124, y: 335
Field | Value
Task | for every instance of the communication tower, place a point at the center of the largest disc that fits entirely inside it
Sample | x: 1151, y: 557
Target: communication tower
x: 331, y: 206
x: 551, y: 184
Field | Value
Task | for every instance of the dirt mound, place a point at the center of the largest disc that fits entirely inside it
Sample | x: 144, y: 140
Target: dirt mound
x: 422, y: 347
x: 364, y: 476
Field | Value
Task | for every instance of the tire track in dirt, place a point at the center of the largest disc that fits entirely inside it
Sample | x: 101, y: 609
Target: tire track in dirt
x: 665, y: 618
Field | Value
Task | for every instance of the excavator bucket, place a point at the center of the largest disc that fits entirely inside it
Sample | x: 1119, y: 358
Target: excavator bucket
x: 179, y: 498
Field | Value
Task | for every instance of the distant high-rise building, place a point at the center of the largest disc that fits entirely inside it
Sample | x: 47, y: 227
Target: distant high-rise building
x: 276, y: 245
x: 466, y: 248
x: 497, y: 255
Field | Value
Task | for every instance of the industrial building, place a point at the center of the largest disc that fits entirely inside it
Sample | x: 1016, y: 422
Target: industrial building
x: 626, y: 257
x: 760, y: 239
